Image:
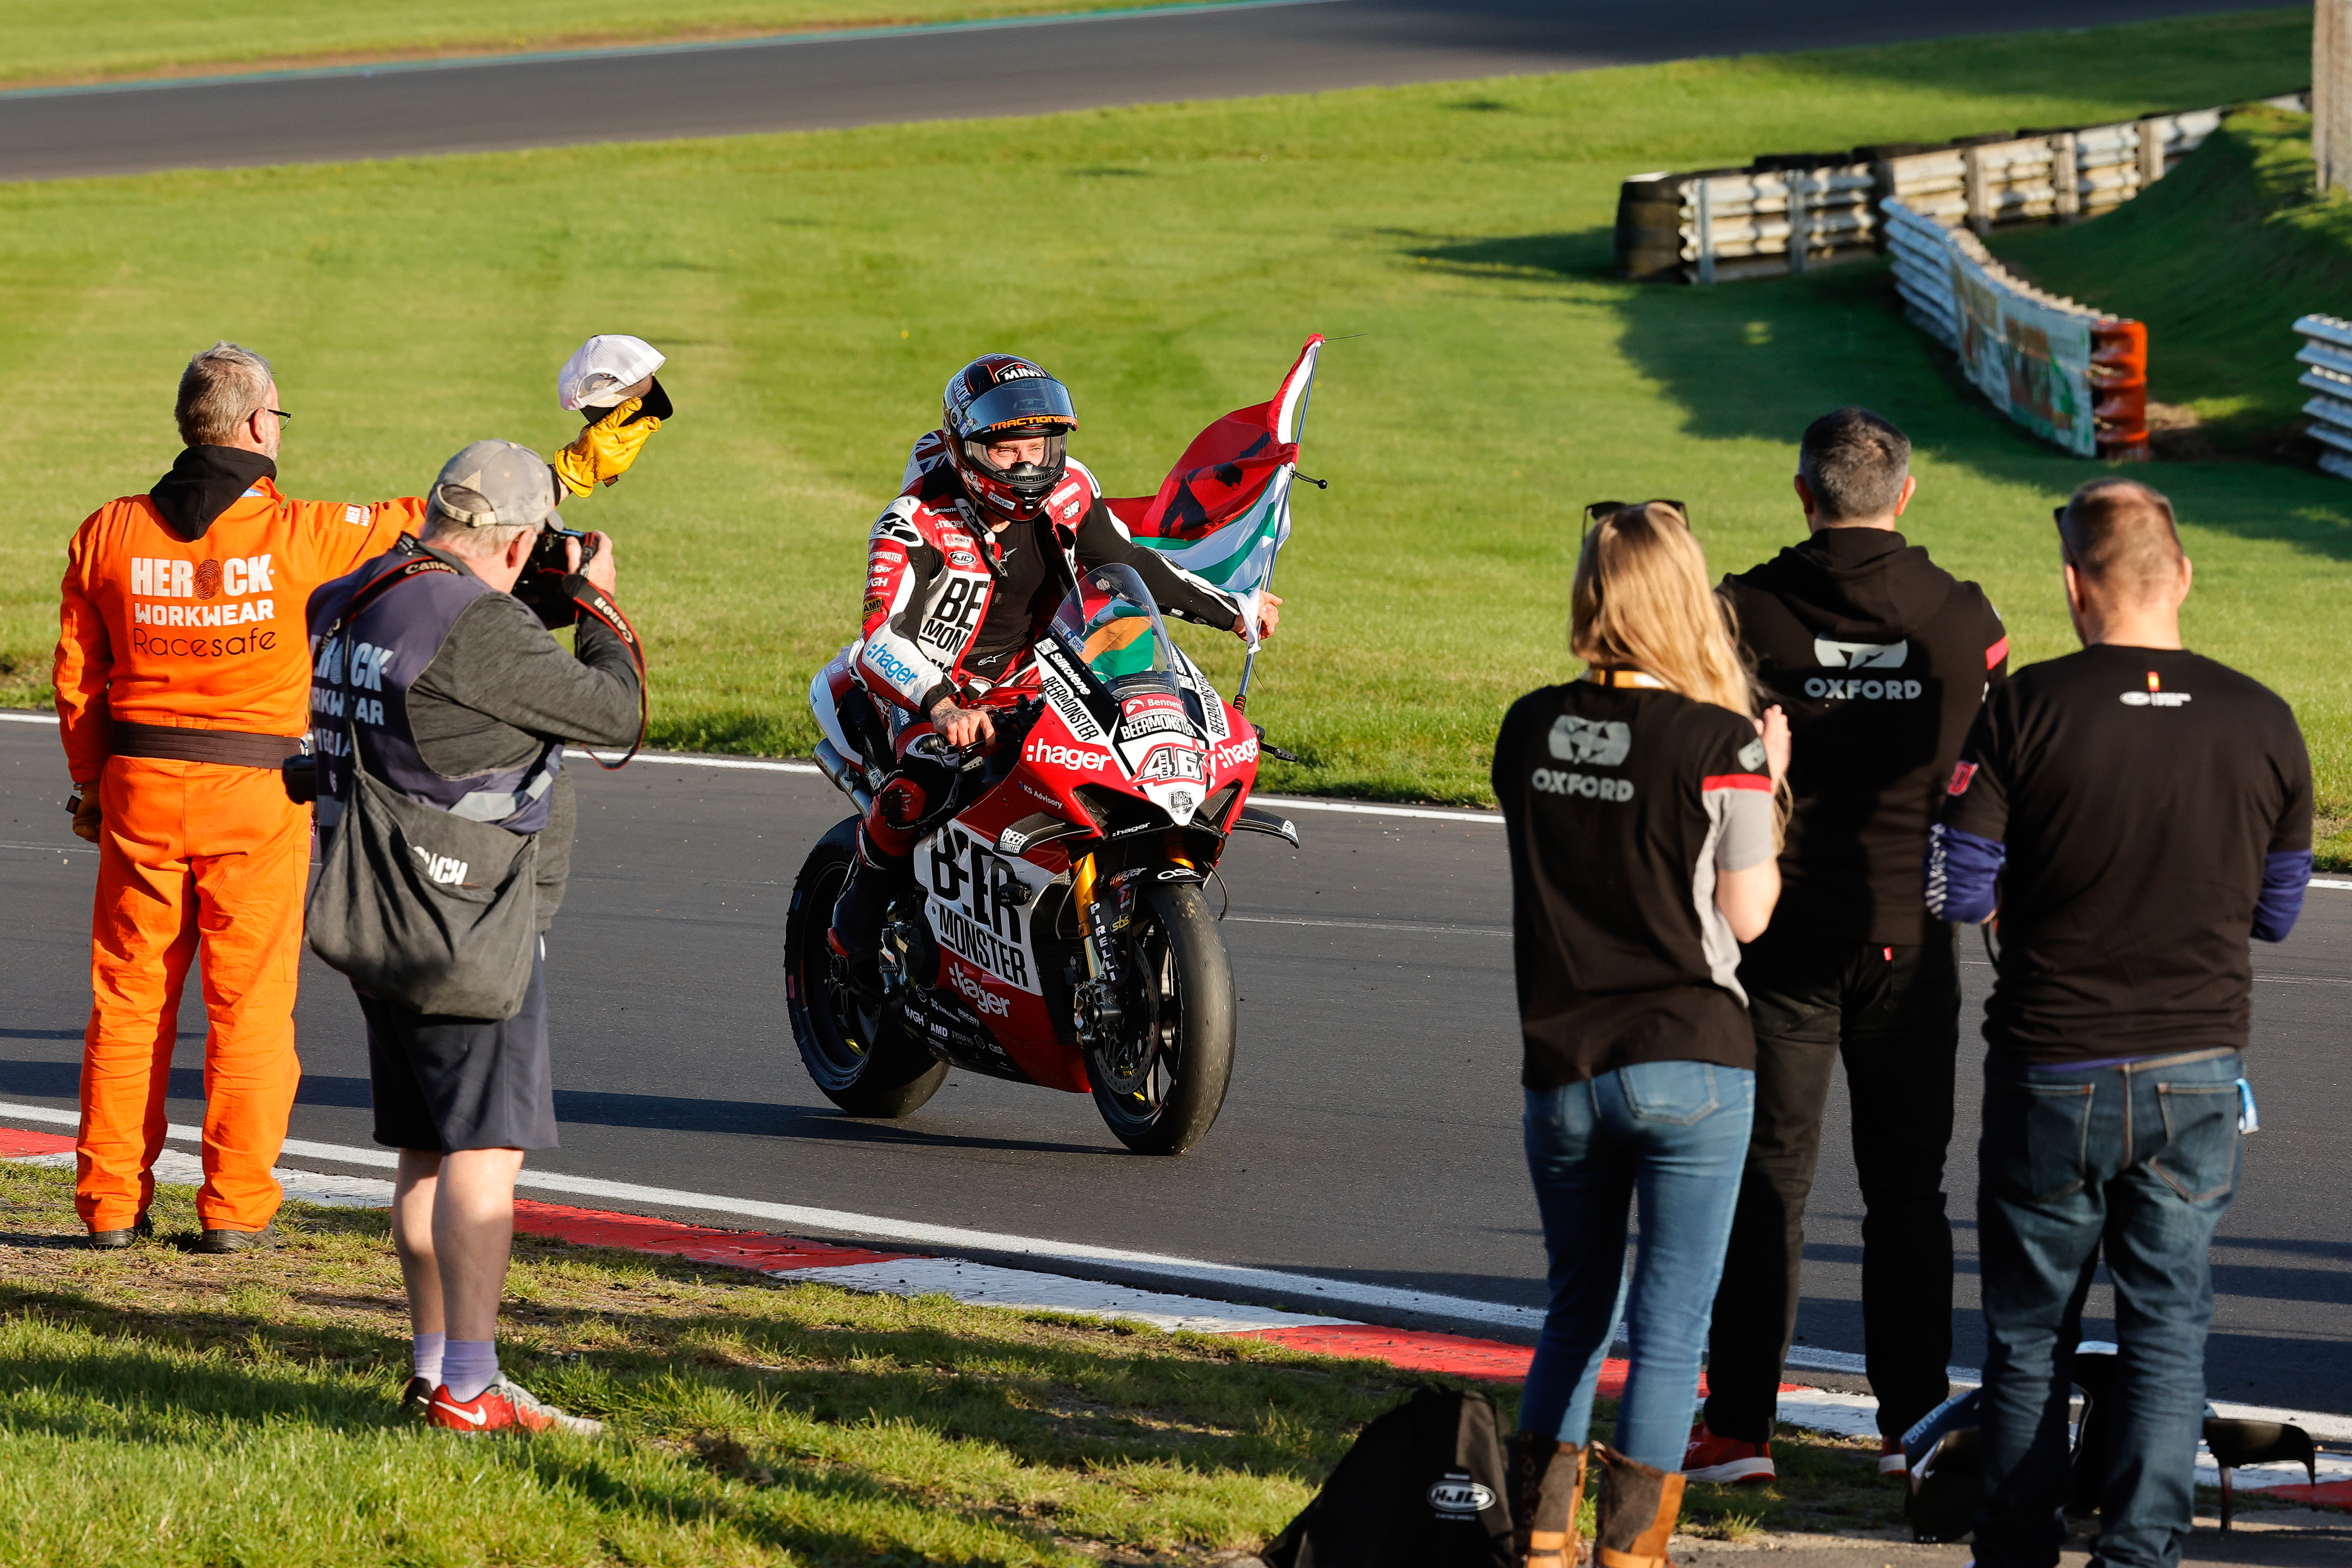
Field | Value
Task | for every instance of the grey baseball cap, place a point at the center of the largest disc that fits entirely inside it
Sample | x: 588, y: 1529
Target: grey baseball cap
x: 495, y: 484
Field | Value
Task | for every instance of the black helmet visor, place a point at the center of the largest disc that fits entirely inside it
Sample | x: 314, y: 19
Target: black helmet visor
x: 1030, y: 400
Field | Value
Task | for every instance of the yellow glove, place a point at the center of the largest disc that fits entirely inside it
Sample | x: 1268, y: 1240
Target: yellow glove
x: 84, y: 807
x: 603, y: 451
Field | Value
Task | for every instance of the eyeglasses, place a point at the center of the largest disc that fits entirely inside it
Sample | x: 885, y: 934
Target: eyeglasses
x: 1601, y: 509
x: 281, y: 413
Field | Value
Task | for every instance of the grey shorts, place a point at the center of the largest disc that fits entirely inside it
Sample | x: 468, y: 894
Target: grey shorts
x: 443, y: 1084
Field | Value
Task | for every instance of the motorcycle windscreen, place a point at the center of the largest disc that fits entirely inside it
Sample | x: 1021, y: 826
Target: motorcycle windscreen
x: 1111, y: 622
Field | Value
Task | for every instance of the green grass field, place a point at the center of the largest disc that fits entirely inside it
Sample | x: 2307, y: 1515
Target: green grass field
x: 56, y: 41
x: 159, y: 1409
x: 814, y: 290
x: 2243, y: 210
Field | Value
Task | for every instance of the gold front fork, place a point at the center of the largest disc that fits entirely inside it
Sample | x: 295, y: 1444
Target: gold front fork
x: 1081, y: 892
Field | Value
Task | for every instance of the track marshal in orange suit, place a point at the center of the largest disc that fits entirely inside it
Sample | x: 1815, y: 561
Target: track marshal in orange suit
x: 182, y: 678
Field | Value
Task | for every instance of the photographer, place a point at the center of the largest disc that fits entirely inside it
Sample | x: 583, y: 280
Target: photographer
x: 449, y: 690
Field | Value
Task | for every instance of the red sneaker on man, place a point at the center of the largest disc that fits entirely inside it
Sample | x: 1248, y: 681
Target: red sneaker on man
x: 1713, y: 1458
x: 505, y: 1405
x: 1891, y: 1462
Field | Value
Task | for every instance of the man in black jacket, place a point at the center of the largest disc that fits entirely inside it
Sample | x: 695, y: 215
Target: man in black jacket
x: 1881, y: 659
x: 449, y: 690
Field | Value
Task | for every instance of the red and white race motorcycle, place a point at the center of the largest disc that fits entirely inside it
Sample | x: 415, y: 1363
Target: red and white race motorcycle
x: 1056, y: 933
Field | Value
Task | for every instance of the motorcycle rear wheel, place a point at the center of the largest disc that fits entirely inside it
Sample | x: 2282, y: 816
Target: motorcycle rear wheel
x: 1159, y: 1088
x: 865, y: 1063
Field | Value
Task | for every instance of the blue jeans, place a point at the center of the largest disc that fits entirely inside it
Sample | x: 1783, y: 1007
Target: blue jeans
x: 1676, y: 1132
x: 2140, y: 1161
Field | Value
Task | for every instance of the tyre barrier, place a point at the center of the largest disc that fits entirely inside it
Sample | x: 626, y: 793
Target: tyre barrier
x: 2074, y: 376
x: 2326, y: 357
x: 1791, y: 212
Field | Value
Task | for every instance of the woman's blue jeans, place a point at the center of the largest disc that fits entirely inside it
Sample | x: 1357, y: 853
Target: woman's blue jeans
x: 1675, y: 1134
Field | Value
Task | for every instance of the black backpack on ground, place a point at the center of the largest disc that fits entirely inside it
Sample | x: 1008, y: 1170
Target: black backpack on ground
x: 1426, y: 1486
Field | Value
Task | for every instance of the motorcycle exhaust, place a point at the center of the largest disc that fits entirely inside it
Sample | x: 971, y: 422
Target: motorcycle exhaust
x: 843, y: 775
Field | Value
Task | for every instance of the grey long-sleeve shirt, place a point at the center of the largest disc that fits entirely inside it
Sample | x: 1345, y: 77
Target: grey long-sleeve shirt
x: 500, y: 687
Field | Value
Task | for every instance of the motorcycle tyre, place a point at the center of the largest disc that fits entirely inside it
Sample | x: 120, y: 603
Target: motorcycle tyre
x: 1204, y: 987
x: 896, y: 1074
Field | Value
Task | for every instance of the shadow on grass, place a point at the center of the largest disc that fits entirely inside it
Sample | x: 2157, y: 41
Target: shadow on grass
x: 1763, y: 358
x: 1117, y: 1396
x: 203, y: 1403
x: 735, y: 731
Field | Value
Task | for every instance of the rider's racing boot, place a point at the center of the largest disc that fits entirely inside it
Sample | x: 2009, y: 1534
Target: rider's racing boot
x: 857, y: 916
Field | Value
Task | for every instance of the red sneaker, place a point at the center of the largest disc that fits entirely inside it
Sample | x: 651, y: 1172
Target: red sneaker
x: 506, y: 1405
x: 1713, y: 1458
x: 1891, y: 1462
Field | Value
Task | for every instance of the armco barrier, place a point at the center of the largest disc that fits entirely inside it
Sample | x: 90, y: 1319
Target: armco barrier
x: 1791, y: 212
x: 2071, y: 374
x: 2328, y: 359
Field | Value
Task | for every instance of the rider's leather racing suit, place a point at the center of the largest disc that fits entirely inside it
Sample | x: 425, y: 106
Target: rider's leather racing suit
x: 951, y: 606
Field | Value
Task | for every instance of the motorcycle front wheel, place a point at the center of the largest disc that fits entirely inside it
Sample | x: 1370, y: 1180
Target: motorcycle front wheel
x: 1161, y: 1082
x: 865, y: 1063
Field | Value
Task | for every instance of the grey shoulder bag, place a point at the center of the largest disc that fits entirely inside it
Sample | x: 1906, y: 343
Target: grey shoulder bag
x: 418, y: 907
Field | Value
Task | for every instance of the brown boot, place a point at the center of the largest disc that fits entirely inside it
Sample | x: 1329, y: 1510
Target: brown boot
x: 1548, y: 1488
x: 1638, y: 1510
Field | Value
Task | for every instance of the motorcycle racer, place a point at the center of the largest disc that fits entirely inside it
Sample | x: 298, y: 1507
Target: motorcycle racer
x: 963, y: 570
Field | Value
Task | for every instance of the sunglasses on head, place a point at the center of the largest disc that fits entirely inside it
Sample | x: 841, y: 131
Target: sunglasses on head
x: 1601, y: 509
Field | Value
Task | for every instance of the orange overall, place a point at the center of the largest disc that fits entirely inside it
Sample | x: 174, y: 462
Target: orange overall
x: 156, y: 629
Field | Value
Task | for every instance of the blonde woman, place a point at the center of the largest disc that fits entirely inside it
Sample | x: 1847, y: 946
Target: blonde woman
x: 1639, y: 802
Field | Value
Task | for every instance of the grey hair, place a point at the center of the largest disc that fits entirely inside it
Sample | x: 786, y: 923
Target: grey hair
x: 1854, y: 463
x: 473, y: 543
x: 219, y: 391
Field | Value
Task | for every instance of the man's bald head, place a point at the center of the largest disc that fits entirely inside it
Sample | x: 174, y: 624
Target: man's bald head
x: 2119, y: 535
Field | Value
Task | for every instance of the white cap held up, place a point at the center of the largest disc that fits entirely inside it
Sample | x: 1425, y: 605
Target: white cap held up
x: 605, y: 370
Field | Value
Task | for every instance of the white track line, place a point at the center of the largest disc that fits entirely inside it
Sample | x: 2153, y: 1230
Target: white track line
x: 1288, y: 802
x: 175, y: 1169
x: 1027, y: 1290
x: 1195, y: 1271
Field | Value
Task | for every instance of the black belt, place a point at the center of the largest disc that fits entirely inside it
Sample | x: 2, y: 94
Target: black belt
x: 234, y: 748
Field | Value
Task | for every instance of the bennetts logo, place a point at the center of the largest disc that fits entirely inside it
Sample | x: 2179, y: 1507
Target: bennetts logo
x: 1457, y: 1496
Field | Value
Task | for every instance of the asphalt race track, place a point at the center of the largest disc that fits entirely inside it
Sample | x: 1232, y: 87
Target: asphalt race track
x: 1371, y: 1133
x: 817, y: 81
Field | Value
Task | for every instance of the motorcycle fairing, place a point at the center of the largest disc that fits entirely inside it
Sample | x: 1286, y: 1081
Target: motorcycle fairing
x: 978, y: 904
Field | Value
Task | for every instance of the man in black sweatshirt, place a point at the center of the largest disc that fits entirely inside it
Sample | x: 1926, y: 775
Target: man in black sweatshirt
x: 1881, y: 659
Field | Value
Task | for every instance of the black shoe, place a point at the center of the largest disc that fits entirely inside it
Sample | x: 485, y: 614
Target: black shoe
x: 219, y: 1241
x: 416, y: 1399
x: 140, y: 1229
x: 857, y: 935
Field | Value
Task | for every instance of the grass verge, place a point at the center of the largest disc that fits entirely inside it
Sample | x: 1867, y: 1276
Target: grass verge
x: 814, y: 290
x: 47, y: 43
x: 162, y: 1408
x: 2218, y: 260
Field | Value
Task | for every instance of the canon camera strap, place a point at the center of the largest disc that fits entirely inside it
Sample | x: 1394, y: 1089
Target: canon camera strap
x: 590, y: 599
x: 594, y: 601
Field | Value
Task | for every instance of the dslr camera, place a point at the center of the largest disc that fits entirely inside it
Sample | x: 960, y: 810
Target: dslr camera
x: 546, y: 581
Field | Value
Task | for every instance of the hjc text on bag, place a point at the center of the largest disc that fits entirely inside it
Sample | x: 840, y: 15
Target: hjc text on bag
x: 1425, y: 1485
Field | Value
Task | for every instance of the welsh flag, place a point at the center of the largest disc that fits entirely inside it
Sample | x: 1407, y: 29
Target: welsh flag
x: 1223, y: 511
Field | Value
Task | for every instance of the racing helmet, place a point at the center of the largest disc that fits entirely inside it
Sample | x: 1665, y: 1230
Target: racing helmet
x: 1000, y: 397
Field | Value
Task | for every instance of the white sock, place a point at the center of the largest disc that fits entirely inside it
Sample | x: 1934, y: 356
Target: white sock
x: 468, y: 1367
x: 424, y: 1353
